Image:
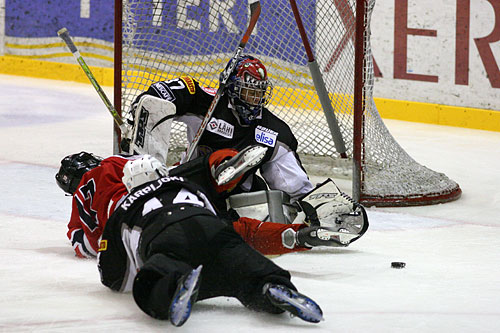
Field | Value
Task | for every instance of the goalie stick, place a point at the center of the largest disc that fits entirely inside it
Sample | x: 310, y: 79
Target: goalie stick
x: 255, y: 13
x: 64, y: 34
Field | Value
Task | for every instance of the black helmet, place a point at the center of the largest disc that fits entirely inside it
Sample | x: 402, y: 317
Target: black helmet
x: 72, y: 169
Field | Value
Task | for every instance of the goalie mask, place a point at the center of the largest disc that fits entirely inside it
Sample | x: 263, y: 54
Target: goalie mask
x: 72, y: 169
x: 248, y: 88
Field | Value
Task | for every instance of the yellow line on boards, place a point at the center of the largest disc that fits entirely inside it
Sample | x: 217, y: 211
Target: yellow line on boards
x: 53, y: 70
x: 439, y: 114
x: 51, y: 45
x: 391, y: 109
x: 63, y: 54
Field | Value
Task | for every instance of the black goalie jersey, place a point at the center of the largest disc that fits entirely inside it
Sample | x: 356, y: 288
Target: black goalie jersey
x: 281, y: 167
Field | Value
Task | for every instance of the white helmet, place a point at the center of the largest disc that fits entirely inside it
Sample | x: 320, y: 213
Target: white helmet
x: 142, y: 170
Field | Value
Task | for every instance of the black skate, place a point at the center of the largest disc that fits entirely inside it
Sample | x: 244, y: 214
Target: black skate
x: 184, y: 297
x: 239, y: 164
x: 294, y: 302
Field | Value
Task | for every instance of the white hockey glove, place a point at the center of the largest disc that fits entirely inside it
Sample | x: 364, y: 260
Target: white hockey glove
x: 327, y: 206
x: 142, y: 170
x: 316, y: 236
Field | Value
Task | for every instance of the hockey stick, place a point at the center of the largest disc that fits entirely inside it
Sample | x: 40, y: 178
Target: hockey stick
x: 255, y: 13
x: 64, y: 34
x: 320, y: 86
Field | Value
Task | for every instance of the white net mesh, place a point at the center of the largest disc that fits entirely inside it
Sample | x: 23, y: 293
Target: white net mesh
x: 164, y: 39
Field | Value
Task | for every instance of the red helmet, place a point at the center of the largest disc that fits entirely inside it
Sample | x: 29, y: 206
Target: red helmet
x: 250, y: 69
x: 249, y: 88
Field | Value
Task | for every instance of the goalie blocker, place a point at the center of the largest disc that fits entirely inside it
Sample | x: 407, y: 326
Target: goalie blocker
x: 334, y: 218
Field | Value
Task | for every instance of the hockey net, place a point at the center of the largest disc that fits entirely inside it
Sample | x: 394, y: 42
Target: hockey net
x: 165, y: 39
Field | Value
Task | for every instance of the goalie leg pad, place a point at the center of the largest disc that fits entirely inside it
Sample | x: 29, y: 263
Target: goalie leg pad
x: 152, y: 124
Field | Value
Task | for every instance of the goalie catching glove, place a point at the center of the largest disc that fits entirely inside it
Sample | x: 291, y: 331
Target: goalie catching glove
x: 328, y: 208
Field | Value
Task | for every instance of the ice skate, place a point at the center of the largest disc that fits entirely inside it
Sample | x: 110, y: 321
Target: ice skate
x: 184, y: 297
x: 239, y: 164
x: 294, y: 302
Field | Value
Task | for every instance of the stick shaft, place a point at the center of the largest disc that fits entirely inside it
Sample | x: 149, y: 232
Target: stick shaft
x: 64, y: 34
x: 255, y: 13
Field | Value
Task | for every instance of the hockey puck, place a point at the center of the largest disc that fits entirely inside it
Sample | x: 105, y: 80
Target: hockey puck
x: 398, y: 264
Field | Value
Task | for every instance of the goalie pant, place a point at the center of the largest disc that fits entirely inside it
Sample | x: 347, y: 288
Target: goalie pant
x: 281, y: 167
x: 101, y: 190
x: 161, y: 231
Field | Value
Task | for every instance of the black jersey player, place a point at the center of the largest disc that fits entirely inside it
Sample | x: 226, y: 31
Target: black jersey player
x: 161, y: 238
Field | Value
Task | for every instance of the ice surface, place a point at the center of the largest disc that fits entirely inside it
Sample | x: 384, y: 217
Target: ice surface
x: 451, y: 282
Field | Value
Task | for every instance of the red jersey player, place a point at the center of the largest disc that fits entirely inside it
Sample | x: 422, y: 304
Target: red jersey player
x: 100, y: 189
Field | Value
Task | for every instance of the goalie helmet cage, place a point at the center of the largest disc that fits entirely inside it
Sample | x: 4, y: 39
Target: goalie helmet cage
x: 165, y: 39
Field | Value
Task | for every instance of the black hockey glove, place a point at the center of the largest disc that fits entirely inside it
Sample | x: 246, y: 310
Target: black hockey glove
x: 311, y: 218
x: 312, y: 236
x: 125, y: 145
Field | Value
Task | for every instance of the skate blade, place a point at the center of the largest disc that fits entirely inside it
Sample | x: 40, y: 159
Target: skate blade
x: 250, y: 159
x: 306, y: 309
x: 181, y: 307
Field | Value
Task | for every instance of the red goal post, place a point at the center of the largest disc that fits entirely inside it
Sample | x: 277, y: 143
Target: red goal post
x: 162, y: 39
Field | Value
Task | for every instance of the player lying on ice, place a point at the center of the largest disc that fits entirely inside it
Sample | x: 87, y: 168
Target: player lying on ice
x: 240, y: 119
x: 161, y: 238
x: 99, y: 191
x: 163, y: 227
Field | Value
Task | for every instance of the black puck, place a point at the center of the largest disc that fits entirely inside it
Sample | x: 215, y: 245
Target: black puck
x: 398, y: 264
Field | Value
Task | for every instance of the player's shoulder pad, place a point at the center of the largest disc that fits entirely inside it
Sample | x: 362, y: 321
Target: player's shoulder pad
x: 190, y: 84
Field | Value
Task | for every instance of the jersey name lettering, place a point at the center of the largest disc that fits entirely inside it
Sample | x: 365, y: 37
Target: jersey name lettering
x: 164, y: 91
x: 265, y: 136
x: 220, y: 127
x: 145, y: 190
